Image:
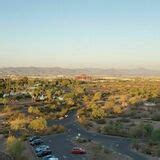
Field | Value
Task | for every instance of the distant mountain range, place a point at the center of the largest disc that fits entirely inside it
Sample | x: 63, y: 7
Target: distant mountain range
x: 39, y: 71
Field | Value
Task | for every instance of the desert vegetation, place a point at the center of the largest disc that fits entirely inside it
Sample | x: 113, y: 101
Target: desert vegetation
x: 115, y: 107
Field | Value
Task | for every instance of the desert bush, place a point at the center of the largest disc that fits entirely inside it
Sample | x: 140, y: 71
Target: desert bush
x: 141, y: 131
x: 34, y: 110
x: 158, y: 152
x: 18, y: 123
x: 38, y: 124
x: 156, y: 135
x: 7, y: 109
x: 56, y: 129
x: 98, y: 129
x: 146, y: 150
x: 156, y: 117
x: 15, y: 148
x: 84, y: 121
x: 4, y: 131
x: 125, y: 120
x: 101, y: 121
x: 81, y: 140
x: 117, y: 110
x: 97, y: 112
x: 113, y: 128
x: 62, y: 113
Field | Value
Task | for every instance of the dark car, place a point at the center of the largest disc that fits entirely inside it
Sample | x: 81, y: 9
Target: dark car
x: 36, y: 142
x: 44, y: 153
x: 33, y: 138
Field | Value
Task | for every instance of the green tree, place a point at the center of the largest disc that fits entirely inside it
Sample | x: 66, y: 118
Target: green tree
x: 97, y: 112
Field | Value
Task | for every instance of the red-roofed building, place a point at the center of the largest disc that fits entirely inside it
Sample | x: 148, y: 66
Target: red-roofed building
x: 83, y: 77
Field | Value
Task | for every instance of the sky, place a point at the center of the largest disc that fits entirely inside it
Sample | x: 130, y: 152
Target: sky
x: 80, y: 33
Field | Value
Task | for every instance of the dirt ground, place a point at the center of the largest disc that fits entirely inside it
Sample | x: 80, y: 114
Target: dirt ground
x: 2, y: 143
x: 29, y: 152
x: 96, y: 152
x: 28, y: 149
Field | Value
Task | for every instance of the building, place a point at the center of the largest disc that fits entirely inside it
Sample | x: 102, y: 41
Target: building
x: 83, y: 77
x: 150, y: 104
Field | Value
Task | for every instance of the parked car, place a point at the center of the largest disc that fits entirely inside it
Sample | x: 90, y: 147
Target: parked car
x: 36, y: 142
x: 33, y: 138
x: 40, y: 148
x: 77, y: 150
x: 44, y: 153
x: 50, y: 157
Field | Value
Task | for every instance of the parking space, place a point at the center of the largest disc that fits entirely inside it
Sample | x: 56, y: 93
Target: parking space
x: 62, y: 145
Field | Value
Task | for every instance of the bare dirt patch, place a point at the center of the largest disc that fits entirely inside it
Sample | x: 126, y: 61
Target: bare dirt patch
x: 97, y: 152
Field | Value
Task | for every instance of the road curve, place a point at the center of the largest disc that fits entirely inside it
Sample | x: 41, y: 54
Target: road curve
x: 118, y: 144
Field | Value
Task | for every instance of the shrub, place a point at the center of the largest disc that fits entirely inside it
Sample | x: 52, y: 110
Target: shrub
x: 141, y: 131
x: 156, y: 135
x: 15, y: 148
x: 56, y: 129
x: 98, y: 129
x: 156, y: 117
x: 62, y: 113
x: 34, y: 110
x: 117, y: 109
x: 4, y: 131
x: 81, y: 140
x: 97, y: 112
x: 83, y: 121
x: 146, y: 150
x: 113, y: 128
x: 125, y: 120
x: 7, y: 109
x: 38, y: 124
x: 18, y: 123
x: 101, y: 121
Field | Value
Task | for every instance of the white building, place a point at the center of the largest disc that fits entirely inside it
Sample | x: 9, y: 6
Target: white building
x: 149, y: 104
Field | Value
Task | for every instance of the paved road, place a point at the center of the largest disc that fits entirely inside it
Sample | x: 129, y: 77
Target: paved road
x: 62, y: 144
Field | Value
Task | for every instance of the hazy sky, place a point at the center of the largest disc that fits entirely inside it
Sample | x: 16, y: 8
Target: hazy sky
x: 80, y: 33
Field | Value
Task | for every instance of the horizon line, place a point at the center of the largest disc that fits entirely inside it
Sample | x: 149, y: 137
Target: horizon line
x: 118, y: 68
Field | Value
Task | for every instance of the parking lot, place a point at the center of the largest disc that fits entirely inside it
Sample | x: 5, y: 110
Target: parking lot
x: 61, y: 147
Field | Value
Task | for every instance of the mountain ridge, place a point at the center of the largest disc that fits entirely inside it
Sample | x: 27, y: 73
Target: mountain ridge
x: 41, y: 71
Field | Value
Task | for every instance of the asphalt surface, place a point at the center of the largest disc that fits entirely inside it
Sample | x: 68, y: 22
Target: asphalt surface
x: 62, y: 144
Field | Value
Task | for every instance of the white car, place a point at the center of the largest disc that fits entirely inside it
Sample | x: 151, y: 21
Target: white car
x: 40, y: 148
x: 50, y: 157
x: 61, y: 118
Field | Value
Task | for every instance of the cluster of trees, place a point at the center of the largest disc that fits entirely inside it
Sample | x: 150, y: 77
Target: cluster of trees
x: 19, y: 122
x: 144, y: 131
x: 24, y: 125
x: 96, y: 100
x: 116, y: 96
